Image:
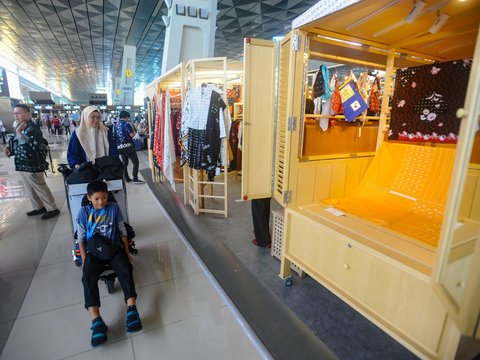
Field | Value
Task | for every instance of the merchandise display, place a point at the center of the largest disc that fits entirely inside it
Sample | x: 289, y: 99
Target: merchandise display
x: 387, y: 224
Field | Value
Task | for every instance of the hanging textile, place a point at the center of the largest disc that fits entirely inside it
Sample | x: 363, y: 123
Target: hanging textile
x: 374, y: 102
x: 203, y: 127
x: 426, y: 99
x: 176, y: 120
x: 156, y: 140
x: 353, y: 103
x: 234, y: 142
x: 168, y: 143
x: 337, y: 107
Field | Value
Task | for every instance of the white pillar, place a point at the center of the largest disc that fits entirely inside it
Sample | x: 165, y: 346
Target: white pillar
x: 127, y: 82
x: 190, y: 31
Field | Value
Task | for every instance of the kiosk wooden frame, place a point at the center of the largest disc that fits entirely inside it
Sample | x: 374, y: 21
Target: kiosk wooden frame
x: 401, y: 285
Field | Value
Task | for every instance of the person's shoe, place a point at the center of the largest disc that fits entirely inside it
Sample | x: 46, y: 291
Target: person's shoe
x: 255, y: 242
x: 127, y: 179
x: 37, y: 212
x: 132, y: 321
x: 137, y: 181
x: 50, y: 214
x: 99, y: 332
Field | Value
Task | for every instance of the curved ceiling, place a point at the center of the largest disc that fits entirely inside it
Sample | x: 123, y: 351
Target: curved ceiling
x: 75, y: 46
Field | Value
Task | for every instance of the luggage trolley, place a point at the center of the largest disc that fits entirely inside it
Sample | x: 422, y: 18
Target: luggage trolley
x: 76, y: 193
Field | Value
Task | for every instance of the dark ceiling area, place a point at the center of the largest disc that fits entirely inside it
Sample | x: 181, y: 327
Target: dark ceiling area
x: 76, y: 46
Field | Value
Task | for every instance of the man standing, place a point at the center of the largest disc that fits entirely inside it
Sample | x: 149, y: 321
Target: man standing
x: 3, y: 130
x: 66, y: 125
x: 29, y: 149
x: 124, y: 134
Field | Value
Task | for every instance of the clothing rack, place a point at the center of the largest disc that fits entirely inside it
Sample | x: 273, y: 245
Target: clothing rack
x: 210, y: 196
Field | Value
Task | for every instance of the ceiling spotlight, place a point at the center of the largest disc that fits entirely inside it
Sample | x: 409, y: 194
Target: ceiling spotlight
x: 417, y: 8
x: 439, y: 22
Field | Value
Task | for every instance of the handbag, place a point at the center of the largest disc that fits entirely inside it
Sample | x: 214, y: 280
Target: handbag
x: 101, y: 247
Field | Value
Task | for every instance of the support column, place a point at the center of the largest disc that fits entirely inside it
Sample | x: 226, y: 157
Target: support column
x: 190, y: 31
x: 127, y: 82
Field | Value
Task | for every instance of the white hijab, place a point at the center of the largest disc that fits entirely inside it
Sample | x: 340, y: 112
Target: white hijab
x: 94, y: 141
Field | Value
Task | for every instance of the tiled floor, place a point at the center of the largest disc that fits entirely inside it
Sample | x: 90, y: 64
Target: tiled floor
x: 42, y: 314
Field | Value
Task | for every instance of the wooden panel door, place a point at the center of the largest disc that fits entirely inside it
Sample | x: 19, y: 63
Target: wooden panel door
x: 258, y: 112
x: 290, y: 68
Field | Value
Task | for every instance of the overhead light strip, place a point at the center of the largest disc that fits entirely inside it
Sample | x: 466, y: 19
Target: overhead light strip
x: 372, y: 15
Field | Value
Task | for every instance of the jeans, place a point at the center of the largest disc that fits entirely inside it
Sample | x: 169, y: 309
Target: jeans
x: 129, y: 153
x: 93, y: 268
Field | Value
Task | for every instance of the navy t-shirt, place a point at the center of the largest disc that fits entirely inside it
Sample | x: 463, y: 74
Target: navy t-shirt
x: 110, y: 225
x: 123, y: 129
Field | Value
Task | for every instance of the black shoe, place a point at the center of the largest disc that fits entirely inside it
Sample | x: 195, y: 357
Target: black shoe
x: 127, y: 179
x: 37, y: 212
x: 50, y: 214
x: 137, y: 181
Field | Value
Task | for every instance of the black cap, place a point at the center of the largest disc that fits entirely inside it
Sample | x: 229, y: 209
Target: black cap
x: 124, y: 114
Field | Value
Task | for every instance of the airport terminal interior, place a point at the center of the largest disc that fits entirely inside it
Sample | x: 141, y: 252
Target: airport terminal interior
x: 308, y: 184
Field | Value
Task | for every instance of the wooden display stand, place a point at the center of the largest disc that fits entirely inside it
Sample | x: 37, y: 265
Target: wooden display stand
x: 202, y: 195
x: 424, y: 296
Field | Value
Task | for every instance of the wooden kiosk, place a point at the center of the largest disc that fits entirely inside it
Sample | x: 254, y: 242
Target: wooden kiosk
x: 202, y: 195
x: 424, y: 294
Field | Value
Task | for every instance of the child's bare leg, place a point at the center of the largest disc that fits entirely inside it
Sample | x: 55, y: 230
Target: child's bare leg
x: 94, y: 312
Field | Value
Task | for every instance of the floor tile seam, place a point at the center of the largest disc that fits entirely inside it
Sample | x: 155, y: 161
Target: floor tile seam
x: 169, y: 280
x: 242, y: 322
x: 41, y: 266
x: 101, y: 297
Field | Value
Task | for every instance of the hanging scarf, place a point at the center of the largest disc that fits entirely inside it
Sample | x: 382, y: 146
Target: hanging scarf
x: 94, y: 141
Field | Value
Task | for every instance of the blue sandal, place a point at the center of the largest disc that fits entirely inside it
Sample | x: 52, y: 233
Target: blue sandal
x: 133, y: 320
x: 99, y: 332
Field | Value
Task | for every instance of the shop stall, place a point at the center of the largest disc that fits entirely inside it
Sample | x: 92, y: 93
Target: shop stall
x: 383, y: 209
x: 186, y: 91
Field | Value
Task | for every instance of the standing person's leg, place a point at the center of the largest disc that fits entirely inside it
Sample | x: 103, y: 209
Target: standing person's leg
x: 132, y: 154
x: 41, y: 189
x: 124, y: 158
x: 37, y: 203
x: 4, y: 138
x: 261, y: 219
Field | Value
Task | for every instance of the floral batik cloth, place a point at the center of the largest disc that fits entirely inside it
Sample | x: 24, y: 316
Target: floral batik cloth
x: 426, y: 100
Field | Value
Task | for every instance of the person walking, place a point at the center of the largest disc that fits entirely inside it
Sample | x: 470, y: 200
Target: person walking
x: 124, y: 133
x: 4, y: 131
x: 66, y: 125
x: 30, y: 151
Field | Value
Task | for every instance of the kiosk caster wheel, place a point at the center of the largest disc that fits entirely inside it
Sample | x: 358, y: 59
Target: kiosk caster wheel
x: 288, y: 281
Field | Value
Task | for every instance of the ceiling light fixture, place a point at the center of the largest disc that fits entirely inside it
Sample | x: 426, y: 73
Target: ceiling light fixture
x: 372, y: 15
x: 439, y: 22
x: 416, y: 10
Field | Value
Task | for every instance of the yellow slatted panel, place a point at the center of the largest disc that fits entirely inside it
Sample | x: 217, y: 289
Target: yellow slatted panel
x: 281, y: 149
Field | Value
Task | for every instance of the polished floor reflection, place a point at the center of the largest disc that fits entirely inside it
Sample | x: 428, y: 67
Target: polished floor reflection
x: 42, y: 314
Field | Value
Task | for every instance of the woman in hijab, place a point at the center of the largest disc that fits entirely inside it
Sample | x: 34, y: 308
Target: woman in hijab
x: 90, y: 140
